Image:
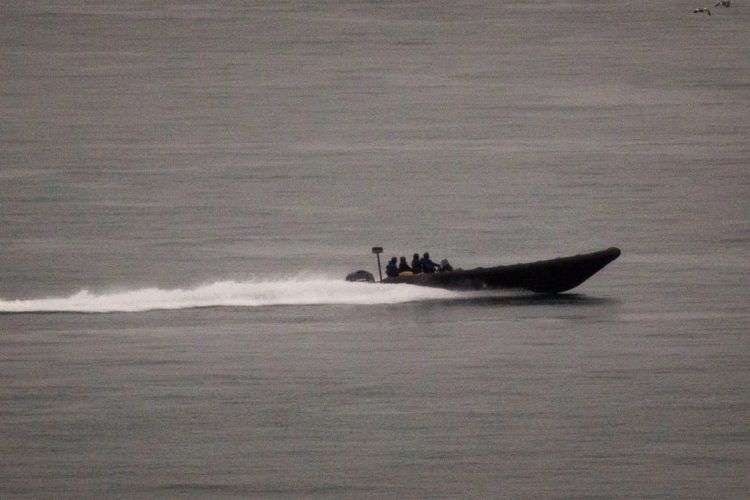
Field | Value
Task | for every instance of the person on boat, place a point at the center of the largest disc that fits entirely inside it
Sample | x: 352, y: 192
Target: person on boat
x: 427, y: 265
x: 391, y: 270
x: 445, y: 266
x: 416, y: 265
x: 403, y: 266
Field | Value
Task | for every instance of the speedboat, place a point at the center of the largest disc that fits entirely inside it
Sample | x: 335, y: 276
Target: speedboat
x: 544, y: 276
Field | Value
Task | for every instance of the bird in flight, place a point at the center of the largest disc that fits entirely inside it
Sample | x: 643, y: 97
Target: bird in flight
x: 701, y: 10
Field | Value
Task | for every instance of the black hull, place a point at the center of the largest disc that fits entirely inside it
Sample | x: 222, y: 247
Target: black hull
x: 545, y: 276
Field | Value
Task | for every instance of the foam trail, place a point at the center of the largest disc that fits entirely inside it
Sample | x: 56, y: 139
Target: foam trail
x: 295, y: 291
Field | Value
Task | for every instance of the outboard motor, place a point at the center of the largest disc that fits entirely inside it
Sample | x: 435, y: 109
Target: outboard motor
x: 361, y: 276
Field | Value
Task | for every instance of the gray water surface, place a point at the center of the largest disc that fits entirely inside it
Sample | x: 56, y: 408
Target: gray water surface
x: 263, y: 148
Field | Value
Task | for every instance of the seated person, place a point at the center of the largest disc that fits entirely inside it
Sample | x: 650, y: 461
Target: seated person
x: 416, y: 267
x: 403, y: 266
x: 445, y: 266
x: 391, y: 270
x: 427, y: 265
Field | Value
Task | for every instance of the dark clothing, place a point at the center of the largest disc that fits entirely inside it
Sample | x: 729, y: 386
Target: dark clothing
x: 391, y: 270
x: 403, y: 267
x: 427, y: 265
x: 416, y: 266
x: 445, y: 266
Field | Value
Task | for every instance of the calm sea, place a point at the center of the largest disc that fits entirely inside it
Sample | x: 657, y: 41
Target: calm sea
x: 184, y: 185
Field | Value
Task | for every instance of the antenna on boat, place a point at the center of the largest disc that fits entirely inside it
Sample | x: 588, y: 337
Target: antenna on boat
x: 377, y: 251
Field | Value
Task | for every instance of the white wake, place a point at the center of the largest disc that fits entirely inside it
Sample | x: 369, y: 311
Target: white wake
x: 293, y: 291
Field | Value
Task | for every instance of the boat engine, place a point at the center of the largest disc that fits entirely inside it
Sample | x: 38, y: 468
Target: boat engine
x: 361, y: 276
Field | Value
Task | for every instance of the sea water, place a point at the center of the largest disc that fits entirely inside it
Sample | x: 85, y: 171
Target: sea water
x: 184, y: 186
